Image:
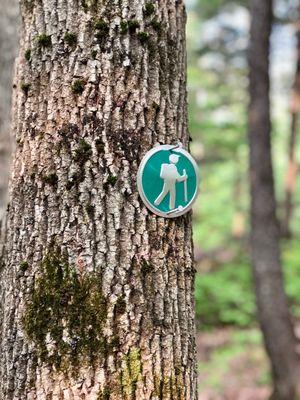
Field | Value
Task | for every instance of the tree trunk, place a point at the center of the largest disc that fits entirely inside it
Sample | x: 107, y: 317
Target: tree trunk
x: 96, y: 291
x: 8, y: 48
x: 271, y: 300
x: 291, y: 174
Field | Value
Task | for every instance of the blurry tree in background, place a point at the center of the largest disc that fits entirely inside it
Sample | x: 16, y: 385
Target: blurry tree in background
x: 217, y: 78
x: 8, y: 50
x: 272, y: 304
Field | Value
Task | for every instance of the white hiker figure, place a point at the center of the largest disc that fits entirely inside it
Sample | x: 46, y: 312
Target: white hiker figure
x: 170, y: 175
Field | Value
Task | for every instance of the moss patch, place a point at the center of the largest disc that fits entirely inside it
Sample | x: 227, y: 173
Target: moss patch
x: 102, y: 29
x: 90, y: 209
x: 146, y: 267
x: 51, y: 179
x: 78, y: 86
x: 124, y: 27
x: 149, y: 9
x: 44, y: 40
x: 133, y: 25
x: 27, y: 54
x: 70, y: 38
x: 110, y: 181
x: 83, y: 152
x: 25, y: 87
x: 99, y: 145
x: 143, y: 36
x: 24, y: 266
x: 76, y: 179
x: 65, y: 314
x: 120, y: 306
x: 156, y: 25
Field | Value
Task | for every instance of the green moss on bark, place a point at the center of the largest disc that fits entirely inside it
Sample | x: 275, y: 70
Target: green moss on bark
x: 102, y: 30
x: 78, y: 86
x: 94, y: 54
x: 83, y: 152
x: 149, y: 9
x: 110, y: 181
x: 25, y: 87
x: 120, y: 306
x: 124, y: 27
x: 51, y: 179
x: 27, y: 54
x: 133, y: 25
x: 44, y: 40
x: 146, y: 267
x: 24, y: 266
x: 156, y: 25
x: 143, y: 36
x: 70, y: 38
x: 90, y: 209
x: 65, y: 313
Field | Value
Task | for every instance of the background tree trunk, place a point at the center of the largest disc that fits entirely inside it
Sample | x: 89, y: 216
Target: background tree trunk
x: 291, y: 174
x: 96, y: 292
x: 271, y: 300
x: 8, y: 50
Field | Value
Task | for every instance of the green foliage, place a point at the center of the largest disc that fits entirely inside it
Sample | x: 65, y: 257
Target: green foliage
x: 291, y: 270
x: 245, y: 345
x: 67, y: 311
x: 209, y: 8
x: 225, y: 296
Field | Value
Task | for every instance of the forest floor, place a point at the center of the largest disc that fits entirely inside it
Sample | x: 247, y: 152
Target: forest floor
x: 232, y: 365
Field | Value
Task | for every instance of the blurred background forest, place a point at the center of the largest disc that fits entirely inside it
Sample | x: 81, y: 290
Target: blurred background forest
x: 232, y: 362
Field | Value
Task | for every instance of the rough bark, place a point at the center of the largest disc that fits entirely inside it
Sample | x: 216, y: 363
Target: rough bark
x: 96, y: 291
x: 291, y: 174
x: 271, y: 300
x: 8, y: 49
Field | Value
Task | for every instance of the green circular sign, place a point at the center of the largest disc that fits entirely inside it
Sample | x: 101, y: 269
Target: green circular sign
x: 168, y: 180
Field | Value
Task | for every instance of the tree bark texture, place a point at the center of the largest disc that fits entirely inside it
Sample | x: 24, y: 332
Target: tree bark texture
x: 271, y: 300
x: 96, y: 291
x: 8, y: 49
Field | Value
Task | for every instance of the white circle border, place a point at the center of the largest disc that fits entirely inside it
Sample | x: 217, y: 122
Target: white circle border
x: 145, y: 159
